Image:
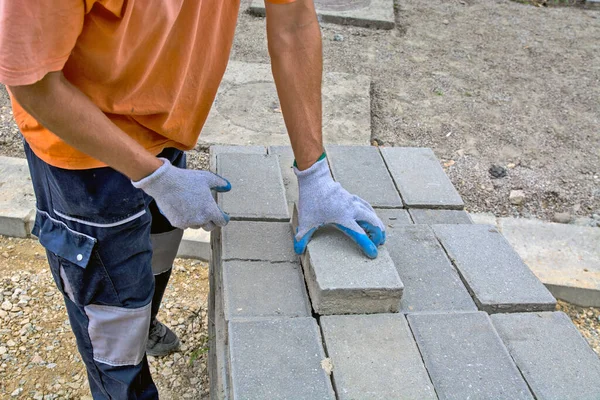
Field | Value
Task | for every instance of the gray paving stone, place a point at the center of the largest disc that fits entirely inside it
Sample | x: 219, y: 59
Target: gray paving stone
x: 341, y: 280
x: 247, y: 112
x: 195, y: 244
x: 420, y: 178
x: 430, y: 281
x: 375, y: 357
x: 466, y: 358
x: 493, y: 272
x: 551, y: 354
x: 264, y: 289
x: 431, y: 217
x: 257, y: 240
x: 365, y: 13
x: 361, y: 171
x: 392, y: 217
x: 220, y: 149
x: 277, y: 359
x: 257, y: 188
x: 286, y: 162
x: 17, y: 201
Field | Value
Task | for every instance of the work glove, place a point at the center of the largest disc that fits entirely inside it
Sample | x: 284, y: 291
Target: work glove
x: 184, y: 196
x: 322, y: 201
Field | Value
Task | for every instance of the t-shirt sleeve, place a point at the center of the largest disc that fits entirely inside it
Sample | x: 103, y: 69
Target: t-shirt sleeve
x: 37, y: 37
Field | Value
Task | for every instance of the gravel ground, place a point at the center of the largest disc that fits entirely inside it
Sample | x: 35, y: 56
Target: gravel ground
x: 38, y: 354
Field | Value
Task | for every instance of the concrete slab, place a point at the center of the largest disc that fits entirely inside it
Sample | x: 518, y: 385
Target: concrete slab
x: 362, y: 172
x: 484, y: 218
x: 366, y: 13
x: 17, y: 200
x: 286, y: 162
x: 220, y: 149
x: 254, y: 289
x: 566, y: 258
x: 257, y: 240
x: 420, y: 178
x: 247, y: 112
x: 466, y: 358
x: 278, y: 359
x: 341, y: 280
x: 375, y: 357
x: 551, y: 354
x: 432, y: 217
x: 495, y: 275
x: 195, y: 244
x: 430, y: 281
x: 257, y: 188
x: 393, y: 217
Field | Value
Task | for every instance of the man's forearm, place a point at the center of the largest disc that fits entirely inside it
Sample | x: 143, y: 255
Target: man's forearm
x: 297, y: 63
x: 69, y: 114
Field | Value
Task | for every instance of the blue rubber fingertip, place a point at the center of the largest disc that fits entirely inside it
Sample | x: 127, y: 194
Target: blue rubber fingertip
x: 227, y: 217
x: 300, y: 245
x: 225, y: 188
x: 363, y: 241
x: 375, y: 233
x: 384, y: 238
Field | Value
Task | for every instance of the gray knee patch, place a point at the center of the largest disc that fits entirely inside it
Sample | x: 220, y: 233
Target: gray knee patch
x: 164, y: 250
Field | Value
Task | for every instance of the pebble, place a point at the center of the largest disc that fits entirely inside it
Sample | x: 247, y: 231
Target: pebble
x: 5, y: 254
x: 16, y: 392
x: 445, y: 22
x: 338, y: 38
x: 2, y: 350
x: 7, y: 306
x: 497, y: 172
x: 516, y: 197
x: 562, y: 218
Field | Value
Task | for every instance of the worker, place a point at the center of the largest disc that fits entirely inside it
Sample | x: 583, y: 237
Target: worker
x: 108, y: 95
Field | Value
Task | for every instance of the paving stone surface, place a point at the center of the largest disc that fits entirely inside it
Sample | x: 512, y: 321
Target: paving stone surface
x: 420, y: 178
x: 247, y: 112
x: 278, y: 359
x: 286, y: 162
x: 432, y: 217
x: 362, y: 172
x: 195, y: 244
x: 17, y: 201
x: 375, y: 357
x: 221, y: 149
x: 257, y: 192
x: 366, y: 13
x: 430, y: 281
x: 551, y: 354
x: 257, y: 240
x: 466, y: 358
x: 493, y: 272
x: 264, y: 289
x: 341, y: 280
x: 393, y: 217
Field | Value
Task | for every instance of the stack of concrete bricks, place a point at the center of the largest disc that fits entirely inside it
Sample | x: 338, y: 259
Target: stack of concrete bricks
x: 448, y: 310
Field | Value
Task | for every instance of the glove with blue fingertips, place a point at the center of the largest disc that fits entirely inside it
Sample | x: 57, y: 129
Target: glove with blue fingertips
x: 322, y: 201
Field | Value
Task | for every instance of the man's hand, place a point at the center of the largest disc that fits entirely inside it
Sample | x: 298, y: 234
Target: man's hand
x: 184, y: 196
x: 323, y: 201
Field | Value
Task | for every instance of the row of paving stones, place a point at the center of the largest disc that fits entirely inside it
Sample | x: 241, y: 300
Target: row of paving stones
x: 270, y: 342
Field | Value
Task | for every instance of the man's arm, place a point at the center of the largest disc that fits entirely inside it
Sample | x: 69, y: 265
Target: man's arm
x: 295, y: 48
x: 66, y: 111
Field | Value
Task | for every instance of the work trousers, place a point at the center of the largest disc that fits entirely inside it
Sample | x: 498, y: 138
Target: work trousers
x: 107, y: 243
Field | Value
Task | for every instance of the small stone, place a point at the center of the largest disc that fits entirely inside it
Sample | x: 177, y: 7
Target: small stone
x: 338, y: 38
x: 37, y: 359
x: 11, y: 343
x: 516, y: 197
x: 167, y: 372
x: 562, y: 218
x: 2, y: 350
x: 497, y: 171
x: 511, y: 165
x: 7, y: 306
x: 3, y: 314
x: 15, y: 278
x: 51, y: 366
x: 445, y: 22
x: 16, y: 392
x: 5, y: 254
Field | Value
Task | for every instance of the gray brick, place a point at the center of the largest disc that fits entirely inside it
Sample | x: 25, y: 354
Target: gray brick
x: 493, y: 272
x: 551, y: 354
x: 430, y: 281
x: 361, y: 171
x: 257, y: 240
x: 257, y: 188
x: 286, y: 161
x: 392, y: 217
x: 466, y: 358
x: 277, y: 359
x: 420, y: 178
x: 223, y: 149
x: 264, y: 289
x: 375, y: 357
x: 431, y: 217
x: 341, y: 280
x: 17, y: 201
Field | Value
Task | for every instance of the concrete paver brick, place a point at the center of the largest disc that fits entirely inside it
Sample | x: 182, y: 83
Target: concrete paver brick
x: 431, y: 217
x: 466, y: 358
x: 17, y: 201
x: 361, y: 171
x: 264, y: 289
x: 277, y: 359
x: 195, y: 244
x: 286, y: 161
x: 493, y: 272
x: 375, y: 357
x: 392, y: 217
x: 224, y: 149
x: 420, y: 178
x: 430, y: 281
x: 551, y: 354
x: 257, y: 188
x: 257, y: 240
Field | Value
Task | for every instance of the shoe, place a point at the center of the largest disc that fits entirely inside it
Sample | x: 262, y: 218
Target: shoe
x: 161, y: 340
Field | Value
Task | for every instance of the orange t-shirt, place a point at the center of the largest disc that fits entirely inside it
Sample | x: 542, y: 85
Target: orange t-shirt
x: 152, y: 66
